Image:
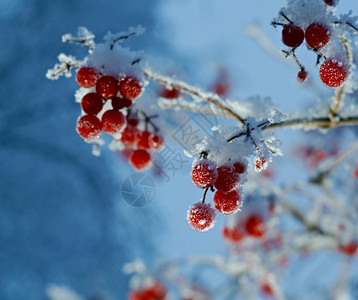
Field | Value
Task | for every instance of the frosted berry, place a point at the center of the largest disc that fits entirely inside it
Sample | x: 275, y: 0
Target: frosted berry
x: 228, y: 178
x: 302, y: 76
x: 292, y: 35
x: 266, y: 289
x: 255, y: 226
x: 317, y: 35
x: 140, y: 159
x: 113, y: 122
x: 92, y: 103
x: 89, y: 127
x: 155, y: 141
x: 204, y: 173
x: 201, y: 216
x: 87, y: 77
x: 333, y: 73
x: 234, y: 234
x: 349, y: 249
x: 169, y: 93
x: 260, y: 163
x: 118, y: 103
x: 227, y: 203
x: 132, y: 121
x: 107, y: 87
x: 239, y: 167
x: 130, y: 87
x: 143, y: 139
x: 129, y: 135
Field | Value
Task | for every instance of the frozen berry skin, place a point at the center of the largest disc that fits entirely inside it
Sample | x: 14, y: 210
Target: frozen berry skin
x: 156, y: 141
x: 260, y: 163
x: 239, y: 167
x: 227, y: 203
x: 204, y: 174
x: 129, y: 136
x: 255, y: 226
x: 92, y: 104
x: 292, y: 35
x: 113, y: 122
x: 130, y: 87
x: 118, y: 103
x: 107, y: 87
x: 201, y: 216
x: 333, y: 73
x: 302, y: 76
x: 140, y: 159
x: 89, y: 127
x: 143, y: 139
x: 317, y: 35
x: 228, y: 178
x: 234, y: 234
x: 87, y: 77
x: 170, y: 93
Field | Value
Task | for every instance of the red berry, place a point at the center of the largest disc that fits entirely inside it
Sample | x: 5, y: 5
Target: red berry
x: 330, y: 2
x: 201, y: 216
x: 333, y: 73
x: 260, y: 164
x: 132, y: 121
x: 227, y: 203
x: 239, y: 167
x: 130, y: 87
x: 118, y: 103
x: 89, y: 127
x: 255, y: 226
x: 317, y: 35
x: 129, y: 135
x: 266, y: 289
x: 140, y: 159
x: 113, y: 122
x: 127, y: 102
x: 204, y: 173
x: 302, y: 76
x: 107, y: 87
x: 92, y: 104
x: 156, y: 141
x: 234, y: 234
x: 143, y: 139
x: 349, y: 249
x: 292, y: 35
x: 87, y: 77
x: 355, y: 172
x: 228, y: 178
x: 169, y: 93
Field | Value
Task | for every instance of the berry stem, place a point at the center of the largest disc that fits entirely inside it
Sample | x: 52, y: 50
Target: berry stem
x: 148, y: 120
x: 293, y: 54
x: 286, y: 18
x: 204, y: 195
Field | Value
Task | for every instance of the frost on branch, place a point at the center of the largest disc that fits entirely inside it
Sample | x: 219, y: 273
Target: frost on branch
x: 67, y: 62
x: 84, y: 37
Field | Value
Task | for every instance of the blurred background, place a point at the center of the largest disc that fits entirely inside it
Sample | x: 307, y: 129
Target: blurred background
x: 62, y: 218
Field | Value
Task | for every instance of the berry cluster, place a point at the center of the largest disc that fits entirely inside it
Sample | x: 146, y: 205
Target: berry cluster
x: 137, y: 144
x: 227, y: 198
x: 252, y: 226
x: 121, y: 92
x: 318, y: 34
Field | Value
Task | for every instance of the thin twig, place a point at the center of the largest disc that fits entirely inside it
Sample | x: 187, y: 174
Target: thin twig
x: 195, y: 92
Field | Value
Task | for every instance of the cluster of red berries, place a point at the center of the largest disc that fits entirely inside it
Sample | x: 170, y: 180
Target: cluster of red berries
x: 227, y: 198
x: 121, y: 92
x: 156, y: 291
x: 334, y: 70
x: 252, y: 226
x: 138, y: 144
